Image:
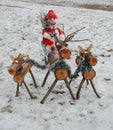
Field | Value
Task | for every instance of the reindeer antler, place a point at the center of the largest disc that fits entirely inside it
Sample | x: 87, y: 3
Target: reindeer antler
x: 81, y: 50
x: 12, y: 57
x: 69, y: 37
x: 89, y: 48
x: 20, y: 56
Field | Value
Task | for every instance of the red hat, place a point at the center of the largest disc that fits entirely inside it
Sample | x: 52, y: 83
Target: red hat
x: 50, y: 15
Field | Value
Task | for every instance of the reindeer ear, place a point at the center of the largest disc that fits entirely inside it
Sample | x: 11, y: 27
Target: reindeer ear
x: 12, y: 57
x: 90, y: 47
x: 27, y: 56
x: 68, y: 38
x: 20, y: 56
x: 81, y: 50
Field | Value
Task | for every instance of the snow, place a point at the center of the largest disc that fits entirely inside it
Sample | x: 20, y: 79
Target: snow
x: 20, y: 20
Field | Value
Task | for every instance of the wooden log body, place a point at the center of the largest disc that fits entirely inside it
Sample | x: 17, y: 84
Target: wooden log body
x: 61, y: 74
x: 16, y: 65
x: 65, y: 53
x: 52, y: 57
x: 89, y: 74
x: 19, y: 77
x: 91, y: 59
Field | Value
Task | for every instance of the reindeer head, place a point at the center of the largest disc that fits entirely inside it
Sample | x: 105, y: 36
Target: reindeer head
x: 63, y: 43
x: 65, y: 53
x: 16, y: 64
x: 87, y: 55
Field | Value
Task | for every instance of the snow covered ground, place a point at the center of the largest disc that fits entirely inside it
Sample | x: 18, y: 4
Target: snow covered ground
x: 20, y: 32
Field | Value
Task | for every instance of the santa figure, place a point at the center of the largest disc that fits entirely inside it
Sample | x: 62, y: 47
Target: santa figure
x: 50, y: 32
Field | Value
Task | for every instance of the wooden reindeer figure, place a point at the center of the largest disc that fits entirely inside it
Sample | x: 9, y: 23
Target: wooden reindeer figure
x: 60, y: 73
x: 85, y: 61
x: 19, y: 68
x: 64, y: 53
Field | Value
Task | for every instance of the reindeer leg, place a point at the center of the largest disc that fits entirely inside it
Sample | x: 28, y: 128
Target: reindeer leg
x: 45, y: 78
x: 68, y: 86
x: 33, y: 78
x: 50, y: 89
x: 94, y: 88
x: 70, y: 81
x: 28, y: 90
x: 87, y: 82
x: 17, y: 90
x: 80, y: 86
x: 21, y: 84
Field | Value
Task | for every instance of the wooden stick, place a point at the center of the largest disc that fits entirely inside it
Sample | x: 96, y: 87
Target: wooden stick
x: 33, y: 78
x: 87, y: 82
x: 17, y: 90
x: 80, y: 40
x: 46, y: 76
x: 80, y: 86
x: 28, y: 89
x: 94, y: 88
x: 48, y: 92
x: 68, y: 86
x: 70, y: 81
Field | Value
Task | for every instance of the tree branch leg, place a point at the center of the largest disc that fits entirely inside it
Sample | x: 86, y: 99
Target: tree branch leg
x: 27, y: 89
x: 94, y: 88
x: 17, y: 90
x: 80, y: 86
x: 68, y: 86
x: 33, y: 78
x: 48, y: 92
x: 45, y: 78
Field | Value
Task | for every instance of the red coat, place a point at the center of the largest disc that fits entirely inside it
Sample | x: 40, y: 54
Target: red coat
x: 50, y: 34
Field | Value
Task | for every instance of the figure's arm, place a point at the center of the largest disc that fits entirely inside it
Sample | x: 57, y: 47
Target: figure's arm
x: 61, y: 34
x: 47, y: 39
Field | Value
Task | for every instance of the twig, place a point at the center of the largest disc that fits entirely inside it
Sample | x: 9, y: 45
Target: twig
x: 80, y: 40
x: 76, y: 31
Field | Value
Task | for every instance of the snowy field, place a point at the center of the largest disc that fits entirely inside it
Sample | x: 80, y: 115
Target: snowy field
x: 20, y: 32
